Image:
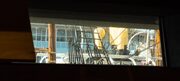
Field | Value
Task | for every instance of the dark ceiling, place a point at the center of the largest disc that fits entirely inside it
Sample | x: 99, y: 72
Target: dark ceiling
x: 101, y: 9
x: 139, y: 7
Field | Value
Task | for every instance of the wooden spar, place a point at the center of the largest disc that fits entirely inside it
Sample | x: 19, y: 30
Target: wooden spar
x: 51, y: 43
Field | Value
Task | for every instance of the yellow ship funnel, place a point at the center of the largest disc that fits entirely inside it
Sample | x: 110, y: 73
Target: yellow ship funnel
x: 118, y: 37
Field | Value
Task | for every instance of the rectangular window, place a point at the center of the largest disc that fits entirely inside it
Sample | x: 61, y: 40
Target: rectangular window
x: 40, y: 35
x: 99, y: 42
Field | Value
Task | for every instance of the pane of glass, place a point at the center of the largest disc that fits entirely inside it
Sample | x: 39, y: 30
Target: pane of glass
x: 33, y: 30
x: 38, y: 31
x: 34, y: 37
x: 69, y: 33
x: 69, y: 39
x: 78, y: 34
x: 43, y: 31
x: 60, y: 32
x: 61, y: 39
x: 44, y: 38
x: 58, y: 45
x: 58, y: 38
x: 39, y: 38
x: 137, y: 44
x: 88, y: 35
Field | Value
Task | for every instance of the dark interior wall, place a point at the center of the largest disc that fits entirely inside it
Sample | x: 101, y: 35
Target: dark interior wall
x: 46, y: 72
x: 15, y: 33
x: 14, y: 17
x: 171, y: 23
x: 50, y: 72
x: 123, y: 7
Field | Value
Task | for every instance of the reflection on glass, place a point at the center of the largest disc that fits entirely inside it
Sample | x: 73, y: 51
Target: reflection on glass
x: 60, y: 32
x: 105, y: 45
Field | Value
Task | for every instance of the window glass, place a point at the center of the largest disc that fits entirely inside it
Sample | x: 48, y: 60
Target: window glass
x: 34, y: 37
x: 60, y: 39
x: 69, y: 39
x: 69, y: 33
x: 60, y: 32
x: 43, y: 38
x: 33, y: 30
x: 135, y: 44
x: 43, y: 31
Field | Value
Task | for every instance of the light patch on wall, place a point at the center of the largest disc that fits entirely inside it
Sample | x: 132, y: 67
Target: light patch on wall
x: 16, y: 46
